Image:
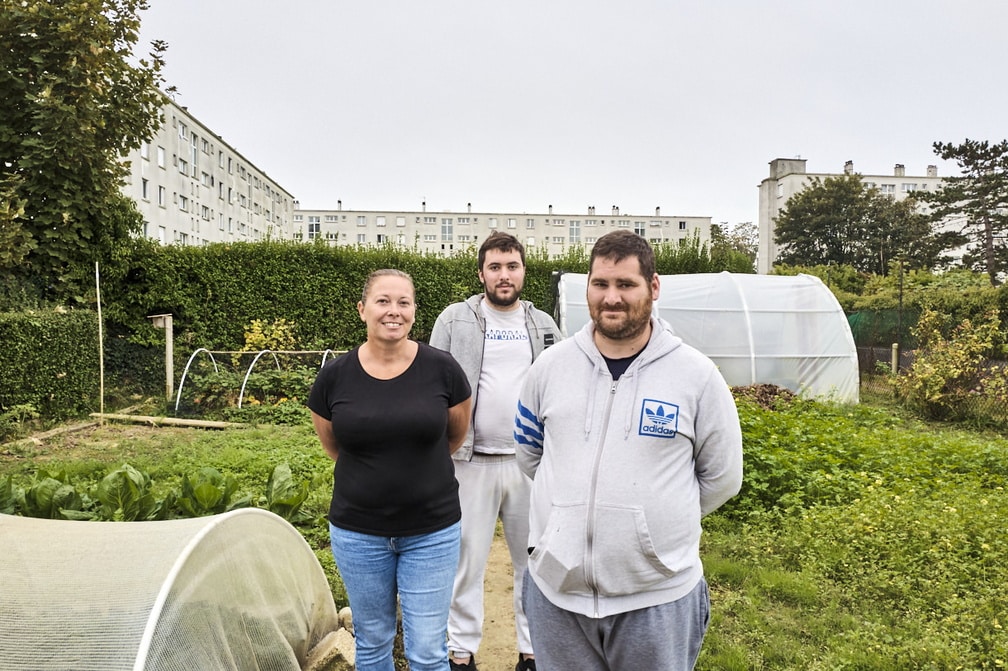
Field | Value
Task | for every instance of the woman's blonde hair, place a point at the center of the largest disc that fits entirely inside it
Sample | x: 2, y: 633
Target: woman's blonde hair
x: 384, y: 272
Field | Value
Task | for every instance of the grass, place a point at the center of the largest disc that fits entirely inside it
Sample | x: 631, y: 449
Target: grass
x: 863, y: 539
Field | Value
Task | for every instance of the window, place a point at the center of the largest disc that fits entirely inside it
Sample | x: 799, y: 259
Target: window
x: 463, y: 220
x: 530, y: 241
x: 639, y: 228
x: 205, y: 213
x: 400, y: 221
x: 379, y: 220
x: 206, y: 146
x: 590, y: 222
x: 361, y: 220
x: 183, y: 166
x: 682, y: 225
x: 183, y: 132
x: 574, y: 232
x: 447, y: 230
x: 780, y: 190
x: 530, y: 223
x: 429, y: 237
x: 314, y: 228
x: 909, y: 187
x: 145, y: 150
x: 161, y: 196
x: 512, y: 222
x: 624, y: 223
x: 558, y: 239
x: 381, y: 238
x: 492, y: 222
x: 206, y: 179
x: 889, y: 189
x: 430, y: 220
x: 144, y: 186
x: 183, y: 203
x: 220, y: 221
x: 161, y: 157
x: 162, y: 234
x: 331, y: 218
x: 220, y: 159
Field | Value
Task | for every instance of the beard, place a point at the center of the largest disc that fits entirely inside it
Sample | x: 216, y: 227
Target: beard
x: 500, y: 301
x: 635, y: 319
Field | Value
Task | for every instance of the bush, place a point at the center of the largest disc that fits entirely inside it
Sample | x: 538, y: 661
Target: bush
x: 952, y: 379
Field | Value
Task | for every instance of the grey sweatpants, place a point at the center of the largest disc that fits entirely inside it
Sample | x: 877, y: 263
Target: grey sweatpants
x: 666, y: 637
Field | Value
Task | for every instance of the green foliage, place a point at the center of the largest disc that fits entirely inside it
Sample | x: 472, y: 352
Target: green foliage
x: 837, y: 221
x: 950, y: 375
x: 14, y: 419
x: 8, y: 496
x: 279, y: 334
x: 50, y: 496
x: 75, y: 100
x: 978, y: 201
x: 126, y: 495
x: 210, y: 492
x: 285, y: 496
x: 50, y: 362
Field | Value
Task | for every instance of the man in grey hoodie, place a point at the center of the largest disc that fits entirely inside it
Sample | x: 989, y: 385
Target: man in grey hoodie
x: 631, y: 437
x: 494, y: 336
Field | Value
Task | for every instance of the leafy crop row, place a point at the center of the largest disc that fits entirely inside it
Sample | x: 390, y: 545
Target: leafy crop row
x: 127, y: 494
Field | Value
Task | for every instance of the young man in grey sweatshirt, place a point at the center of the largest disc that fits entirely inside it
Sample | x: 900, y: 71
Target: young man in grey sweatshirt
x: 494, y: 336
x: 631, y: 437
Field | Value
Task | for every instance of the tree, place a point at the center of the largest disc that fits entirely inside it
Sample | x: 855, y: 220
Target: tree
x: 837, y: 221
x: 977, y: 201
x: 71, y: 106
x: 741, y: 238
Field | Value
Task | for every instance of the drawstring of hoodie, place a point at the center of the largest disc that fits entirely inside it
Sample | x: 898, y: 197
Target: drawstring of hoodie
x: 600, y: 369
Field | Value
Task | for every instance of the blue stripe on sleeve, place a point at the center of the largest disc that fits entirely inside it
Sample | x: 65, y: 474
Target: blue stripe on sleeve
x: 528, y: 428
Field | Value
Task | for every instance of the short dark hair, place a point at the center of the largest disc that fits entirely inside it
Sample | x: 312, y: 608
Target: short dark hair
x: 619, y: 245
x: 504, y: 242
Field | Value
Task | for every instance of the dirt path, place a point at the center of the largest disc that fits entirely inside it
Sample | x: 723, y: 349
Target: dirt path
x: 497, y: 652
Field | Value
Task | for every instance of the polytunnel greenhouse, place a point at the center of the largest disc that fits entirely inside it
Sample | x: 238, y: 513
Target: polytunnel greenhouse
x: 759, y: 329
x: 237, y: 591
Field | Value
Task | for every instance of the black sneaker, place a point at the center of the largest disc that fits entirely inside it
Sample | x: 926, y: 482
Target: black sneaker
x: 468, y: 666
x: 525, y: 664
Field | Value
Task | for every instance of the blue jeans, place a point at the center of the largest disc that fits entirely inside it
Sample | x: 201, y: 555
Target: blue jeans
x: 420, y: 570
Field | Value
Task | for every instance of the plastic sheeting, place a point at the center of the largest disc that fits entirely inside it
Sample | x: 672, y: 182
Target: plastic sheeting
x: 758, y: 329
x: 237, y: 591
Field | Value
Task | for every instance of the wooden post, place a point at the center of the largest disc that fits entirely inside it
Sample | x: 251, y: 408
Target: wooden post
x: 165, y: 322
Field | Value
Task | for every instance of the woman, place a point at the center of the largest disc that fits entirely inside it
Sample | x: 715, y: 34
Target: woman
x: 390, y: 413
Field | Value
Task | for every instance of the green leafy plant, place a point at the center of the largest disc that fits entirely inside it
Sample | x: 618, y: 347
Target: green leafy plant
x: 125, y: 495
x: 52, y: 496
x: 210, y: 492
x: 951, y: 377
x: 285, y: 496
x: 9, y: 496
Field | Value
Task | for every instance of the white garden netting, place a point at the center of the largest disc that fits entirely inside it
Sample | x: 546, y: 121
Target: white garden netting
x: 237, y: 591
x: 758, y: 329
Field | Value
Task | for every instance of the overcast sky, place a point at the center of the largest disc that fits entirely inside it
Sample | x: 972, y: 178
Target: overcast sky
x: 518, y: 105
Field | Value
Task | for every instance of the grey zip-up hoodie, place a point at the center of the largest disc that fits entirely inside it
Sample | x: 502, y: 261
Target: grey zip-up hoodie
x: 460, y: 329
x: 624, y: 470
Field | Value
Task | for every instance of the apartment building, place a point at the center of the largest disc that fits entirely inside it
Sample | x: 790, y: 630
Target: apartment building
x: 445, y: 232
x: 193, y: 188
x: 788, y: 176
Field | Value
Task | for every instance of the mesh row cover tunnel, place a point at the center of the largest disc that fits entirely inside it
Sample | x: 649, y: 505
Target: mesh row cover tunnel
x: 241, y: 590
x: 785, y: 330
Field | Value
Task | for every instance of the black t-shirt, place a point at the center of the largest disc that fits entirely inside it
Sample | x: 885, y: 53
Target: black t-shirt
x: 394, y: 475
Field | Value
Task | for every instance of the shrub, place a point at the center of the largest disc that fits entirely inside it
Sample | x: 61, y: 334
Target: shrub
x: 951, y: 378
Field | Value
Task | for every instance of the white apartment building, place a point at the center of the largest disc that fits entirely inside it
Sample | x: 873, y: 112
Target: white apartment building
x: 193, y: 188
x: 788, y: 177
x: 445, y: 232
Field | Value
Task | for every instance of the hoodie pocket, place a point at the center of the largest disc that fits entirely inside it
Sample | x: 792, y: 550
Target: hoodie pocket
x: 616, y: 555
